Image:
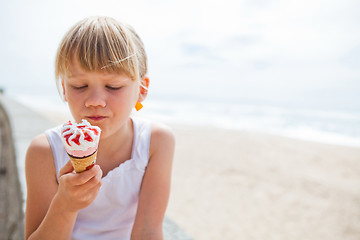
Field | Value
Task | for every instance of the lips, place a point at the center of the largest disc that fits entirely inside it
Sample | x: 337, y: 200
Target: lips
x: 96, y: 117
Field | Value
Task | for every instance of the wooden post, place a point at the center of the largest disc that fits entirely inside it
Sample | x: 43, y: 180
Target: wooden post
x: 11, y: 200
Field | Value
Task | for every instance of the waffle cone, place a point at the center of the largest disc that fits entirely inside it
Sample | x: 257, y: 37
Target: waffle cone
x: 84, y: 163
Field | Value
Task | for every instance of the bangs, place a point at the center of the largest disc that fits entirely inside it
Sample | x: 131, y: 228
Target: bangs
x: 99, y: 44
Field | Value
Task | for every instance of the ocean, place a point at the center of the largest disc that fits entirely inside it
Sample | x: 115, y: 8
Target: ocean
x: 340, y: 127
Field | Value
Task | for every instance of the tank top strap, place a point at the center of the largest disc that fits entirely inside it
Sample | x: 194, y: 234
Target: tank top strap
x: 57, y: 147
x: 141, y: 143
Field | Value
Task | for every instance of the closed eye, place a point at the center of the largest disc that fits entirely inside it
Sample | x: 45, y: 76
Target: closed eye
x: 113, y: 88
x: 79, y: 87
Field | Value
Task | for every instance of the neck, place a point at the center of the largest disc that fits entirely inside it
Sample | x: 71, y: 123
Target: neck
x: 118, y: 144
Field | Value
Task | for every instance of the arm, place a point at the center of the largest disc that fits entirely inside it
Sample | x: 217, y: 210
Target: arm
x: 51, y: 209
x: 155, y: 188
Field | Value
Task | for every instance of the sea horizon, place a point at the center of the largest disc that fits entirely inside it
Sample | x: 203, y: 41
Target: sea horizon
x: 331, y: 126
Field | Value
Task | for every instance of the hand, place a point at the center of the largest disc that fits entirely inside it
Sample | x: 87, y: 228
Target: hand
x: 78, y: 190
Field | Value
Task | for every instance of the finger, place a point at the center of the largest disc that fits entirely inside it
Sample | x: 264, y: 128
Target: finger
x: 67, y: 168
x: 95, y: 182
x: 84, y: 177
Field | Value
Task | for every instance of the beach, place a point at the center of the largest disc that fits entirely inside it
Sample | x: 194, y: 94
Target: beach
x: 232, y: 184
x: 247, y: 185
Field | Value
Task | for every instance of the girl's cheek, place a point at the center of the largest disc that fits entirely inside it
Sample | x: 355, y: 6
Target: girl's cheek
x: 73, y: 94
x: 73, y: 101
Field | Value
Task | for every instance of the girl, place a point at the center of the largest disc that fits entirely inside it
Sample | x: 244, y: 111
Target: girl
x: 101, y: 68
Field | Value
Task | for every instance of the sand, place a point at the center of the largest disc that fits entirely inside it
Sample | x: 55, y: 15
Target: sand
x: 246, y: 185
x: 231, y: 185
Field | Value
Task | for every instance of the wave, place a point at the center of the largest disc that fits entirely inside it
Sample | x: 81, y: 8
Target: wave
x: 334, y: 127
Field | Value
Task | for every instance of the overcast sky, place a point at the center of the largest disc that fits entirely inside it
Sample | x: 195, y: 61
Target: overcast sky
x: 281, y: 50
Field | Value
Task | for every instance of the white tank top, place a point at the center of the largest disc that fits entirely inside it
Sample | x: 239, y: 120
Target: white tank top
x: 112, y: 214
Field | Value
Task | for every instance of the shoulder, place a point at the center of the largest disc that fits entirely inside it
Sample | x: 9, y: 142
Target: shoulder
x: 162, y: 137
x: 39, y: 146
x: 155, y: 187
x: 41, y: 181
x: 39, y: 154
x: 162, y: 143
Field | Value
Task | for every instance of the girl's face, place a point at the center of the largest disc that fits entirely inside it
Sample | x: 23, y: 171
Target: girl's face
x: 104, y: 99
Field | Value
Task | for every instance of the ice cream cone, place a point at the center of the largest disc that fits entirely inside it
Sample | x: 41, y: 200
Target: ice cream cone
x: 81, y: 164
x: 81, y: 142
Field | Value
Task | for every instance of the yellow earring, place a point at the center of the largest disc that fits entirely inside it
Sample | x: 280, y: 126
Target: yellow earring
x: 138, y: 106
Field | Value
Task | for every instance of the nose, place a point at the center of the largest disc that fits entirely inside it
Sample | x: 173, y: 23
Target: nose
x: 95, y: 98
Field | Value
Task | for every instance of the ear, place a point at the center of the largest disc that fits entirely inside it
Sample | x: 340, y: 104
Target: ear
x: 144, y: 86
x: 63, y: 87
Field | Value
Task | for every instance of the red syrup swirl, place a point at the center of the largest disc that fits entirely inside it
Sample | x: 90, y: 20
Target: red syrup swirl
x: 76, y: 140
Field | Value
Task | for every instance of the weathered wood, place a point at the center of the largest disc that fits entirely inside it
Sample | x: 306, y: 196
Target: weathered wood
x: 11, y: 200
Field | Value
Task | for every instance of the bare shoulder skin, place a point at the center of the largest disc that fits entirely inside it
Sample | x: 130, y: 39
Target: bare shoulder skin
x: 41, y: 182
x: 155, y: 188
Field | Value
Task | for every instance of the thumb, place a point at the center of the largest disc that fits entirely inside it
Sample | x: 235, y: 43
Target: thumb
x: 67, y: 168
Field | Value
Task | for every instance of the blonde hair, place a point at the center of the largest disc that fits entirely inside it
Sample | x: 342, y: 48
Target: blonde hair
x: 101, y: 44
